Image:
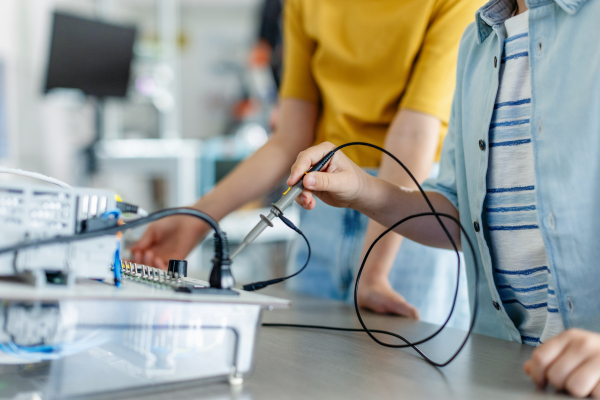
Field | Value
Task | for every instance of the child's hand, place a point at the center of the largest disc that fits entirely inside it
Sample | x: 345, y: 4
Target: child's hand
x: 569, y: 361
x: 340, y: 184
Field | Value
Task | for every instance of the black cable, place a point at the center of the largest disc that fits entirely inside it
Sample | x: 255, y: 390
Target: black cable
x: 410, y: 344
x: 437, y: 215
x: 329, y: 328
x: 223, y: 250
x: 261, y: 285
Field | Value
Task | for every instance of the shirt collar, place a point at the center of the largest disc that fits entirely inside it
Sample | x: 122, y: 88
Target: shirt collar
x: 495, y: 12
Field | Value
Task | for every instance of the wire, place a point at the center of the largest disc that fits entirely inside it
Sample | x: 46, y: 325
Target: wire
x: 35, y: 175
x: 223, y: 248
x: 261, y: 285
x: 116, y: 214
x: 437, y: 215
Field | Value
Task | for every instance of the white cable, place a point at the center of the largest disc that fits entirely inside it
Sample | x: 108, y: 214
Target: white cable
x: 35, y: 175
x: 141, y: 212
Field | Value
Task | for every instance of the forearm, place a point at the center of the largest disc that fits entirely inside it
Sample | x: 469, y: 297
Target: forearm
x: 248, y: 181
x: 387, y: 203
x: 269, y: 165
x: 413, y: 138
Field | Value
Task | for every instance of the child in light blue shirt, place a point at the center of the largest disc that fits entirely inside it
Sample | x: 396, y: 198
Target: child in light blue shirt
x: 521, y: 169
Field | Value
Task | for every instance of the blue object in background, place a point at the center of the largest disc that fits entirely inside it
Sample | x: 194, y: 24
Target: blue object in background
x: 3, y: 124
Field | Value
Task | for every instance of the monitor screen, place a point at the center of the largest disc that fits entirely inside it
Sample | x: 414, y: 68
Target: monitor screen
x: 89, y: 55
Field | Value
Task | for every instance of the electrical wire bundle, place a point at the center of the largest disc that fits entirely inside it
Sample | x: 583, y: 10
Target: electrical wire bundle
x: 438, y: 217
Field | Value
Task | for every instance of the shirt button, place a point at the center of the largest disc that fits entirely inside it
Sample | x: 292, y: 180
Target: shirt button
x: 496, y: 305
x: 476, y: 226
x: 495, y: 62
x: 570, y: 305
x: 551, y: 221
x: 482, y: 145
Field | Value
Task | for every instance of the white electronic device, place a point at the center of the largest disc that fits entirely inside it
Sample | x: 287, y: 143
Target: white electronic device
x: 63, y: 315
x: 34, y: 212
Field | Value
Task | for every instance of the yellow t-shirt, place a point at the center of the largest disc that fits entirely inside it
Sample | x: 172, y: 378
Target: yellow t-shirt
x: 363, y: 60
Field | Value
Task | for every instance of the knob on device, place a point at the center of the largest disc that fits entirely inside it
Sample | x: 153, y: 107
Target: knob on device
x: 179, y: 266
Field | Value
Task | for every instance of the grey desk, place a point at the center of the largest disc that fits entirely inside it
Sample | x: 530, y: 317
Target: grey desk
x: 313, y: 364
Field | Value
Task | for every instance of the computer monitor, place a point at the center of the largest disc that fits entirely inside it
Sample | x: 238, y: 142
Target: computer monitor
x: 89, y: 55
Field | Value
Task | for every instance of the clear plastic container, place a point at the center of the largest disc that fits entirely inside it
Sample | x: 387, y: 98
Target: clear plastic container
x: 75, y: 347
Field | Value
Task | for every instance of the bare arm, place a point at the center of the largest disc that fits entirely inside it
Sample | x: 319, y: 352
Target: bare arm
x: 413, y: 137
x: 393, y: 203
x: 175, y: 237
x: 343, y: 184
x: 269, y: 165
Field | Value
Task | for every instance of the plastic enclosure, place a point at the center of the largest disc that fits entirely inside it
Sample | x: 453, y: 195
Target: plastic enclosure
x: 87, y: 343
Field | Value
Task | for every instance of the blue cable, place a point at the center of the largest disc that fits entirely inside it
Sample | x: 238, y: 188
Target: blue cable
x: 115, y: 213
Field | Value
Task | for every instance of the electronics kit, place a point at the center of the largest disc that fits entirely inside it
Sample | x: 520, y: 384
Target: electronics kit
x: 67, y: 297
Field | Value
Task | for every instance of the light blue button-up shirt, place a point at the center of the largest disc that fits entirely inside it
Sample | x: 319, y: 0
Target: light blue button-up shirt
x: 564, y: 54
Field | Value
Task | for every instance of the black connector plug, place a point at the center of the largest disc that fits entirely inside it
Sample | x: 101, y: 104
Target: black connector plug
x: 251, y: 287
x: 221, y: 276
x: 127, y: 208
x: 289, y: 223
x: 98, y: 224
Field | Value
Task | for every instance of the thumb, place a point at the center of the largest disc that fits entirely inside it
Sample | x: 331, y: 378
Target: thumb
x: 323, y: 182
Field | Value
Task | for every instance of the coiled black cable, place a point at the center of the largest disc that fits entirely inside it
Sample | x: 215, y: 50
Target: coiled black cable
x: 438, y: 216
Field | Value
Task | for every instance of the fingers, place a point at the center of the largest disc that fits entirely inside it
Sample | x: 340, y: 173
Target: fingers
x: 148, y: 258
x: 596, y: 392
x: 584, y: 379
x: 307, y: 159
x: 544, y: 355
x: 569, y: 361
x: 146, y: 241
x: 160, y: 263
x: 379, y: 296
x: 324, y: 182
x: 405, y: 309
x: 306, y: 200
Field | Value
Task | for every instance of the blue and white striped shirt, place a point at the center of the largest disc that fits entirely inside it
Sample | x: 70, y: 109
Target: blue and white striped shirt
x: 519, y: 259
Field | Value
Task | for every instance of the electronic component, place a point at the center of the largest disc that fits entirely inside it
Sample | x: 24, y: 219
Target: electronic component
x: 36, y: 212
x: 178, y: 267
x: 151, y: 327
